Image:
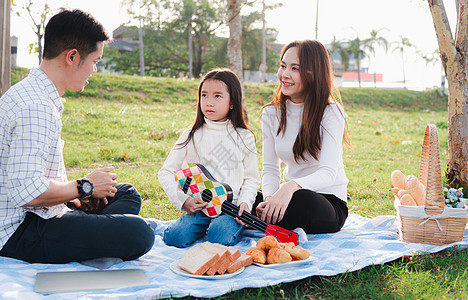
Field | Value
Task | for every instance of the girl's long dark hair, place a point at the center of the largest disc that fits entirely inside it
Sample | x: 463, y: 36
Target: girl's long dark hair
x: 235, y: 114
x: 319, y: 91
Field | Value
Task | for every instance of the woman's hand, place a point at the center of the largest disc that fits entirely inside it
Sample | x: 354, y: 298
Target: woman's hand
x: 242, y: 207
x: 193, y: 204
x: 261, y: 206
x: 273, y: 208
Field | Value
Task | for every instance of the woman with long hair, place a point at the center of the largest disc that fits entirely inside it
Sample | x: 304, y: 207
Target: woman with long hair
x: 304, y: 127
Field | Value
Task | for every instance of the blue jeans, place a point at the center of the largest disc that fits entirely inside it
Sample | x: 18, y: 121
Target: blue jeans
x: 112, y: 230
x: 188, y: 228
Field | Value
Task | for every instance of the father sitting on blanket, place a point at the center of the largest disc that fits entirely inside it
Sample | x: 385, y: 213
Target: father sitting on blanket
x: 36, y: 225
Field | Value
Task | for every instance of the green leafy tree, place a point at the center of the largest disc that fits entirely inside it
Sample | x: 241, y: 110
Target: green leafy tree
x: 166, y: 40
x: 252, y: 43
x: 205, y: 19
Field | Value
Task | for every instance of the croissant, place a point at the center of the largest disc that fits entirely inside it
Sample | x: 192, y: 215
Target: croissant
x: 257, y: 254
x: 267, y: 242
x: 278, y: 255
x: 296, y: 252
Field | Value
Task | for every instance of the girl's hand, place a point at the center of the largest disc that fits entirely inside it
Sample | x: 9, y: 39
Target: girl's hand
x: 193, y: 204
x: 275, y: 206
x: 242, y: 207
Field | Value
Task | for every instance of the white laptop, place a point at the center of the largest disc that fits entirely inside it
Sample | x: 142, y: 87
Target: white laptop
x: 77, y: 281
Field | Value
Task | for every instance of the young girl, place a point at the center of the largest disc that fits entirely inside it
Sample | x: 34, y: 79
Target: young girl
x: 304, y: 127
x: 222, y: 142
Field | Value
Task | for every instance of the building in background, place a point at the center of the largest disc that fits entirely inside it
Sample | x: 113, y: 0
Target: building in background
x: 14, y: 50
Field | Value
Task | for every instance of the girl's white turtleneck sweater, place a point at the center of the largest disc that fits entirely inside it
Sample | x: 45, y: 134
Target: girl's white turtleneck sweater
x: 325, y: 175
x: 229, y: 156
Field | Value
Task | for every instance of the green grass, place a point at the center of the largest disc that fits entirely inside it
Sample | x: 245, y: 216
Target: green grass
x: 132, y: 123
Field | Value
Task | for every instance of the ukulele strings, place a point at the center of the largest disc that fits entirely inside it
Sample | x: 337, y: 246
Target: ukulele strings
x: 246, y: 217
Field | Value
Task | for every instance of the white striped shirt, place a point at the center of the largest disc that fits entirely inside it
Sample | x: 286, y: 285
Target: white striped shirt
x: 30, y: 149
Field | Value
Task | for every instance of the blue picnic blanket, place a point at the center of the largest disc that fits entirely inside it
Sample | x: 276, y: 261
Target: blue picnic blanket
x: 361, y: 242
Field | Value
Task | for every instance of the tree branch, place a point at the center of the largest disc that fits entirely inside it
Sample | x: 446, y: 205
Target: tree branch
x: 443, y: 32
x: 462, y: 31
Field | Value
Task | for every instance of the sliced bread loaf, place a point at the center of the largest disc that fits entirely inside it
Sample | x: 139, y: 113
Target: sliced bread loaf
x: 243, y: 261
x: 224, y: 258
x: 198, y: 259
x: 235, y: 253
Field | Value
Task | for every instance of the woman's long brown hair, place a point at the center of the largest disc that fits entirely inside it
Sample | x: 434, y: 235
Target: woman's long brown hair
x: 319, y: 91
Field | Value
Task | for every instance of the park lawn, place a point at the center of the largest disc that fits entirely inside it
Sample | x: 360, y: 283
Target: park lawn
x: 132, y: 123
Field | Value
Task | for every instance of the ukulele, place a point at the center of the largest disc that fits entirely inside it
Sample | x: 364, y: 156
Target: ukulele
x: 281, y: 234
x: 195, y: 179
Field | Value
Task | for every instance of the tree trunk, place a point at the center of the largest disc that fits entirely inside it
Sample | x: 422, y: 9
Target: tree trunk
x: 39, y: 43
x: 190, y: 47
x: 5, y: 47
x: 454, y: 59
x: 358, y: 62
x: 142, y: 52
x: 197, y: 56
x: 234, y: 48
x: 263, y: 65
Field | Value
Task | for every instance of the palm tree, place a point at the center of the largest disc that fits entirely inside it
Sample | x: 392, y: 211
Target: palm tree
x: 370, y: 45
x: 355, y: 49
x: 339, y: 47
x: 401, y: 46
x: 433, y: 58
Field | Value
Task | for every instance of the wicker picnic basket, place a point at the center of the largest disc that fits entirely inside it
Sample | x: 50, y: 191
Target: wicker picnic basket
x: 433, y: 223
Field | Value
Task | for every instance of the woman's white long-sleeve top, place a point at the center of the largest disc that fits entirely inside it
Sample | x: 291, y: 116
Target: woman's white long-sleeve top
x: 325, y: 175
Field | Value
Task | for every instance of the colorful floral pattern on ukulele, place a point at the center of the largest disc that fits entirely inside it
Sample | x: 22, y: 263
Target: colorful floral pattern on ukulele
x: 195, y: 179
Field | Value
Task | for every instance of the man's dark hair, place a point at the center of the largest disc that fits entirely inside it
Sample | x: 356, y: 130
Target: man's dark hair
x: 72, y: 29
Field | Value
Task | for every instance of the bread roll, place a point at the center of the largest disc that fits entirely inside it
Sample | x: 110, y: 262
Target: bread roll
x: 278, y: 255
x: 257, y: 254
x: 398, y: 179
x: 407, y: 199
x: 401, y: 193
x: 267, y: 242
x: 296, y: 252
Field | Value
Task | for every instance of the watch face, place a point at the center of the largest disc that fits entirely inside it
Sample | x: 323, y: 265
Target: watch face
x: 87, y: 188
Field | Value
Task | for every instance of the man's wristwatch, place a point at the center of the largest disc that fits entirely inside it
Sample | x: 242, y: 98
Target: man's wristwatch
x: 85, y: 188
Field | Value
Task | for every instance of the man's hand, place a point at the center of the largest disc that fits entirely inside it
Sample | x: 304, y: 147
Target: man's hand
x: 103, y: 182
x: 193, y: 204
